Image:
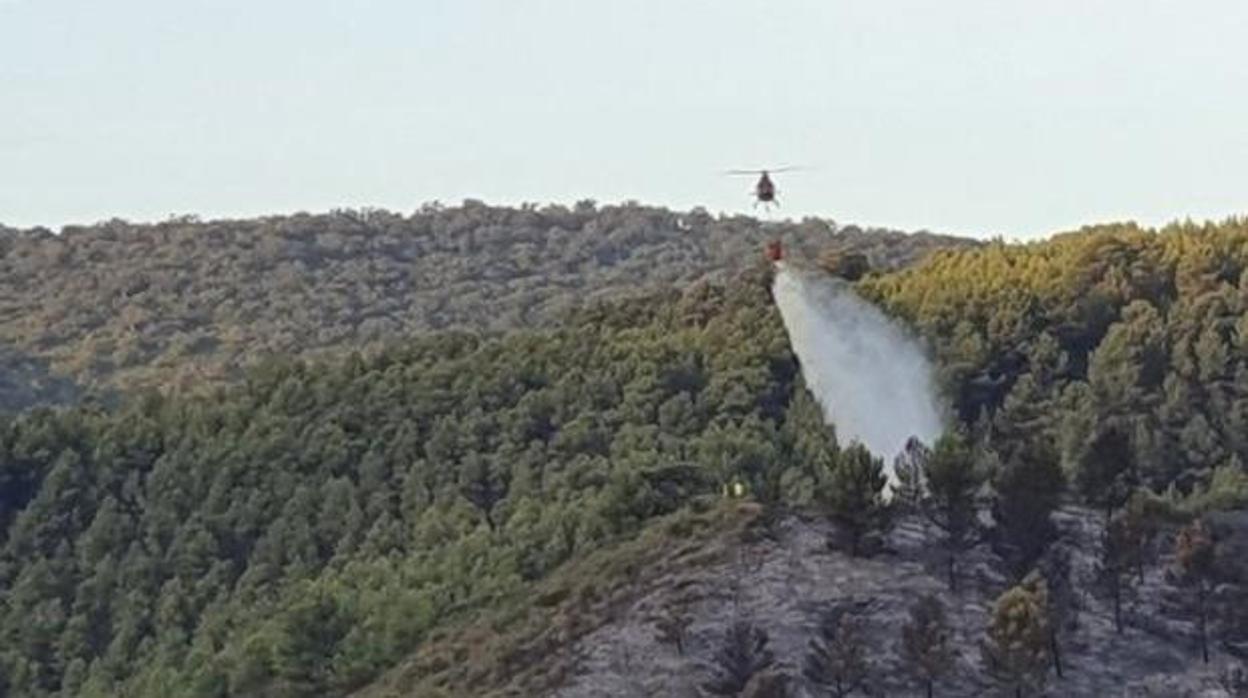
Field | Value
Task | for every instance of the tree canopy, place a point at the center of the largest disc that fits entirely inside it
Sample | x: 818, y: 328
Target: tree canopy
x: 183, y: 303
x: 1120, y: 348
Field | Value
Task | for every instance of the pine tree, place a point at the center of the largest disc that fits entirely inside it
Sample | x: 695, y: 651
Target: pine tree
x: 836, y: 660
x: 812, y: 447
x: 482, y: 486
x: 926, y: 642
x: 1054, y: 575
x: 854, y: 495
x: 952, y: 481
x: 1194, y: 558
x: 1200, y: 445
x: 1117, y: 563
x: 1027, y: 491
x: 909, y: 467
x: 1016, y: 653
x: 1212, y: 357
x: 1106, y: 471
x: 310, y: 634
x: 1130, y: 359
x: 1024, y: 416
x: 1141, y: 521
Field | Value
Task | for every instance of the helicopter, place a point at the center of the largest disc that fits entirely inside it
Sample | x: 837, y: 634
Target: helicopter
x: 764, y: 189
x: 765, y: 194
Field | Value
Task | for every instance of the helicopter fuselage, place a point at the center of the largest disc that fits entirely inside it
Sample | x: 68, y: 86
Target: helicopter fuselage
x: 765, y: 190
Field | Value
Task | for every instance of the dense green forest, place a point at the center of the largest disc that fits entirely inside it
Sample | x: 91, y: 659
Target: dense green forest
x: 184, y: 303
x: 298, y: 533
x: 301, y: 530
x: 1120, y: 349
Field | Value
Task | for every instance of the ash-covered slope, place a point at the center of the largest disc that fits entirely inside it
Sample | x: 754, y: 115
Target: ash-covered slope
x: 782, y: 583
x: 584, y: 641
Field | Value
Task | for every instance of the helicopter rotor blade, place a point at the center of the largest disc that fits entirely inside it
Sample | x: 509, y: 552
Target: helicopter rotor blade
x: 768, y: 170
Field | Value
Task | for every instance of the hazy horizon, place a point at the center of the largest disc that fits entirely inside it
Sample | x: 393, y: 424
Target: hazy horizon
x: 967, y: 117
x: 775, y: 216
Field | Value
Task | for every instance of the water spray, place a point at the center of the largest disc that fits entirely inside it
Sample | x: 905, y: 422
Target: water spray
x: 869, y: 375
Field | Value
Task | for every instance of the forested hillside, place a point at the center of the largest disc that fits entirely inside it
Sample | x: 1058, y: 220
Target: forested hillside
x: 1120, y: 349
x: 435, y: 508
x: 183, y: 303
x: 298, y: 533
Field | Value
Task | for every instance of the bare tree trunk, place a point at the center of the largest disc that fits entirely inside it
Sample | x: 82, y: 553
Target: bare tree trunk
x: 1117, y: 592
x: 953, y: 573
x: 1056, y: 651
x: 1204, y: 636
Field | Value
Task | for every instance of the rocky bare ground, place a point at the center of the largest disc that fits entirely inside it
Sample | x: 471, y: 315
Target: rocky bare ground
x: 782, y: 581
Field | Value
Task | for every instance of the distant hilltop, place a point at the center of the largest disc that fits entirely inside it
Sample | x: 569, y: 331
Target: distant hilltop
x: 190, y: 301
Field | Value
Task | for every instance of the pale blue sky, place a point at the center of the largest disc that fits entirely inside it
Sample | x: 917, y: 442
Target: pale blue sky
x: 979, y: 117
